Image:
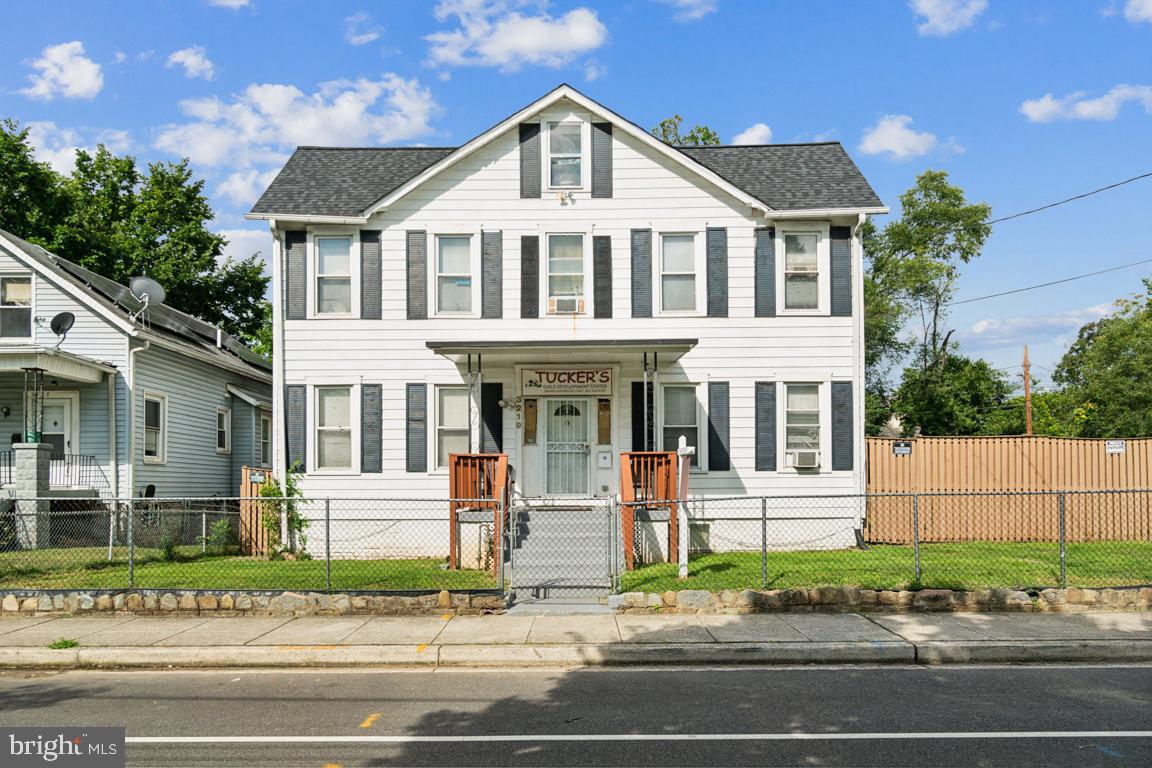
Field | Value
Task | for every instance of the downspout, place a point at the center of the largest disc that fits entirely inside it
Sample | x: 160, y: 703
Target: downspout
x: 858, y: 362
x: 279, y: 463
x: 132, y: 415
x: 113, y: 459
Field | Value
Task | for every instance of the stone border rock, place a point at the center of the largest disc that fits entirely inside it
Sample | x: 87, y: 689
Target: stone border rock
x: 833, y: 599
x: 164, y: 602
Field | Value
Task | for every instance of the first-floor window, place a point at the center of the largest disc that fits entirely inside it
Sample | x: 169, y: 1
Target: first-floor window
x: 265, y: 456
x: 680, y: 419
x: 155, y: 416
x: 454, y: 274
x: 452, y: 433
x: 333, y: 275
x: 334, y: 428
x: 801, y: 268
x: 677, y: 273
x: 223, y: 430
x: 15, y: 307
x: 802, y: 417
x: 565, y: 274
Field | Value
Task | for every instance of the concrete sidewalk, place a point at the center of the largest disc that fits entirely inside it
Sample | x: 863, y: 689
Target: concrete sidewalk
x: 575, y: 640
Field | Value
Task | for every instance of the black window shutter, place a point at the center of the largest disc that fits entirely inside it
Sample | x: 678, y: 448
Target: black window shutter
x: 371, y: 428
x: 717, y: 254
x: 765, y: 426
x: 492, y: 274
x: 719, y: 456
x: 641, y: 273
x: 417, y: 258
x: 840, y: 252
x: 371, y: 285
x: 491, y: 418
x: 765, y: 272
x: 602, y: 276
x: 842, y: 426
x: 530, y: 276
x: 295, y: 275
x: 601, y: 160
x: 295, y: 409
x: 416, y: 432
x: 639, y: 421
x: 530, y: 160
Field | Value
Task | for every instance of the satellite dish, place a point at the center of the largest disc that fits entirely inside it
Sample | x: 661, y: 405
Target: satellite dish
x: 61, y: 324
x: 147, y: 290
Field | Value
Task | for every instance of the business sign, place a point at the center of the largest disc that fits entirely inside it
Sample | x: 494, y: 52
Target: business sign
x: 35, y: 747
x: 1115, y: 446
x: 901, y: 447
x: 535, y: 382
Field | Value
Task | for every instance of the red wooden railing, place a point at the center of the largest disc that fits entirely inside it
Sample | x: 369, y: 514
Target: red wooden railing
x: 477, y: 481
x: 648, y: 481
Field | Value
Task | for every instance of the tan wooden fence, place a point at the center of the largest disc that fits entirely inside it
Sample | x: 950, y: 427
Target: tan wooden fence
x: 1010, y: 487
x: 253, y: 534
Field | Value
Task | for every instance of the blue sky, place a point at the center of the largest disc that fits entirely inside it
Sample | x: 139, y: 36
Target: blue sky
x: 1021, y: 102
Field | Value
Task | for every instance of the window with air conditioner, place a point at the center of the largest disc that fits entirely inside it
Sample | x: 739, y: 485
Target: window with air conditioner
x: 802, y: 426
x: 565, y: 274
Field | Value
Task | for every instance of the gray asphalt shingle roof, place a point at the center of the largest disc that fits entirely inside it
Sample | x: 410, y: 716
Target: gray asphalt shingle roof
x: 333, y: 181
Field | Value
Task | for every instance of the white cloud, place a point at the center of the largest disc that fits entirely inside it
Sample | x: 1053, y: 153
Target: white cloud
x: 995, y: 331
x: 493, y: 33
x: 1137, y: 11
x: 940, y: 18
x: 1076, y: 106
x: 229, y: 3
x: 891, y: 136
x: 260, y: 125
x: 691, y: 10
x: 64, y: 70
x: 594, y: 70
x: 57, y: 146
x: 242, y: 243
x: 245, y: 187
x: 195, y: 62
x: 359, y: 29
x: 758, y: 133
x: 120, y: 57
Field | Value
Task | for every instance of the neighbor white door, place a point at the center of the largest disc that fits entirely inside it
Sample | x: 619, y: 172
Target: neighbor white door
x: 567, y: 446
x: 58, y: 426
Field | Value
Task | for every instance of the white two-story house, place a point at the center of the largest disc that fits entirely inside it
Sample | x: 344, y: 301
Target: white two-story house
x: 564, y: 288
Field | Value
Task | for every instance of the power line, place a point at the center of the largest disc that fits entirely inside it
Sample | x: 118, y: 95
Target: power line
x: 1070, y: 199
x: 1053, y: 282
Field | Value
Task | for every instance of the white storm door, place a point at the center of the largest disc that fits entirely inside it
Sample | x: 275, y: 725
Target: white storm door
x: 567, y: 447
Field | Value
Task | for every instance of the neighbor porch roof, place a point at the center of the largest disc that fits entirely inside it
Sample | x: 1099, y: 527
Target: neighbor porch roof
x: 54, y: 362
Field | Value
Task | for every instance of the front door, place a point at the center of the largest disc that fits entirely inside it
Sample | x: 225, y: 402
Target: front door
x: 567, y: 448
x: 57, y: 430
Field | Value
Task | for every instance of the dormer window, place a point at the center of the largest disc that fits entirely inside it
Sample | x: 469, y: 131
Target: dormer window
x: 565, y: 154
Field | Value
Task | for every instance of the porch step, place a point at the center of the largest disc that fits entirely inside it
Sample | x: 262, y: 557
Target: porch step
x: 560, y: 551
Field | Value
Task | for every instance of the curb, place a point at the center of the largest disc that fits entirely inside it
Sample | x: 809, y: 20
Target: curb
x: 1025, y: 651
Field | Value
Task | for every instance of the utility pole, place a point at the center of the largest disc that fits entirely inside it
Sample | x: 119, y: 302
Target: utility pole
x: 1027, y: 394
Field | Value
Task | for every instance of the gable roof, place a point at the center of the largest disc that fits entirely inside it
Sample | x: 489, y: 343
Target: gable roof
x: 318, y: 182
x: 162, y: 320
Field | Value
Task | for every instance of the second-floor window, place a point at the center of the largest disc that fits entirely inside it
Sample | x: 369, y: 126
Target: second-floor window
x: 454, y: 274
x: 677, y: 273
x: 15, y: 307
x: 801, y: 271
x: 265, y: 441
x: 564, y: 155
x: 333, y: 275
x: 565, y: 274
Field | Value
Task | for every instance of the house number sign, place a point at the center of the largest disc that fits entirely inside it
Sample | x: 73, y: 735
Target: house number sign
x: 565, y: 381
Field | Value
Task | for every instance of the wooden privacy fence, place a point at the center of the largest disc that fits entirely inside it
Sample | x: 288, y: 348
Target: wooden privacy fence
x: 253, y: 534
x: 1009, y: 489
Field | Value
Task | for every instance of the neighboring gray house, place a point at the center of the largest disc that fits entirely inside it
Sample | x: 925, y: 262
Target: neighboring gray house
x: 161, y: 399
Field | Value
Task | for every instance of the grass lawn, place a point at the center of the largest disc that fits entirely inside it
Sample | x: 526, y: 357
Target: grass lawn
x: 947, y: 566
x: 89, y: 568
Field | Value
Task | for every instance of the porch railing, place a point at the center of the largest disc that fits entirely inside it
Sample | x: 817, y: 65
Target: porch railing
x: 647, y: 482
x: 482, y: 480
x: 70, y: 470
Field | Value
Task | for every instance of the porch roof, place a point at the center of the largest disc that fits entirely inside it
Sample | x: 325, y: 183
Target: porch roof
x: 606, y: 350
x: 54, y: 362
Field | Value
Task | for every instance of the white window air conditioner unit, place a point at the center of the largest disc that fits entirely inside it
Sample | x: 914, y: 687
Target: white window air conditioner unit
x: 567, y: 306
x: 803, y: 459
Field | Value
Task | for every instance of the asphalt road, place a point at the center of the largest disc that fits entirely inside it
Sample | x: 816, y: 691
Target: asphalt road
x: 815, y: 716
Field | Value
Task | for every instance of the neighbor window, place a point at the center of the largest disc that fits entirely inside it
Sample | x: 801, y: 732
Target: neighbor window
x: 15, y: 307
x: 802, y: 417
x: 678, y: 273
x: 334, y: 428
x: 333, y: 275
x: 680, y: 419
x: 565, y: 274
x: 452, y: 434
x: 454, y: 274
x: 155, y: 428
x: 564, y: 154
x: 265, y: 440
x: 223, y: 430
x: 800, y: 271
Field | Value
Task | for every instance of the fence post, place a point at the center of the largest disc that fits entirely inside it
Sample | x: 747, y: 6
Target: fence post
x: 763, y: 542
x: 111, y: 528
x: 203, y: 530
x: 502, y: 537
x: 328, y: 544
x: 131, y: 544
x: 1063, y: 546
x: 916, y: 533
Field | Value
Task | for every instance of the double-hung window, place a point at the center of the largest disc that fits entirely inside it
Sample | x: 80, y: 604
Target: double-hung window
x: 155, y: 428
x: 334, y: 428
x: 333, y: 275
x: 677, y: 273
x: 265, y: 456
x: 681, y: 419
x: 801, y: 271
x: 452, y: 431
x: 454, y: 274
x: 15, y: 307
x: 565, y: 274
x: 565, y: 165
x: 802, y: 417
x: 223, y: 430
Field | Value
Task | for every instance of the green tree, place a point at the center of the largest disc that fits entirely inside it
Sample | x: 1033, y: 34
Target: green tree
x: 32, y: 195
x: 957, y: 396
x: 668, y: 131
x: 1107, y: 372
